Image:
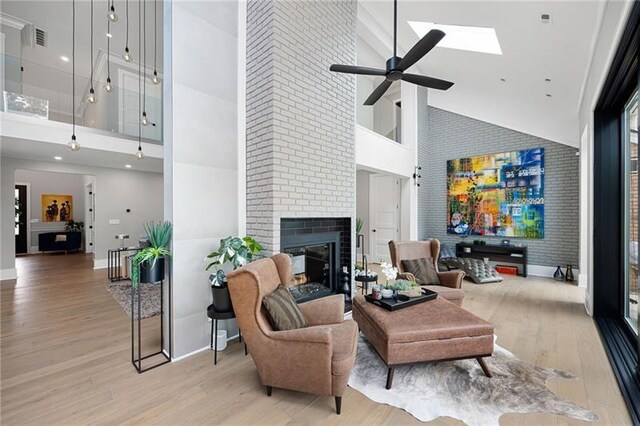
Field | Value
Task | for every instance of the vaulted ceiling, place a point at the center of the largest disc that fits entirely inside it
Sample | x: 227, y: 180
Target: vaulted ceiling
x: 534, y: 87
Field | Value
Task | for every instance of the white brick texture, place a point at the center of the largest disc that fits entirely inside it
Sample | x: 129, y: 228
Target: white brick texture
x: 300, y: 116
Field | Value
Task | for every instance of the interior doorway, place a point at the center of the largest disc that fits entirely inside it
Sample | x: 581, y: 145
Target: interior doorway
x: 22, y: 218
x: 384, y: 213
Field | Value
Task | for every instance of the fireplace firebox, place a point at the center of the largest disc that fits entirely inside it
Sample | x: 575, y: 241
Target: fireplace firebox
x: 316, y: 248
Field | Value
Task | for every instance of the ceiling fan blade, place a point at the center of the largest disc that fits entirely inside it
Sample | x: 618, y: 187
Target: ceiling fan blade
x: 420, y: 49
x: 351, y: 69
x: 430, y: 82
x: 377, y: 94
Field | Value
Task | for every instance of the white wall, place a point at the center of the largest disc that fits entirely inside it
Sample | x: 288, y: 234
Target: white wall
x: 50, y: 183
x: 362, y: 209
x: 115, y: 191
x: 201, y: 145
x: 613, y: 17
x: 378, y: 154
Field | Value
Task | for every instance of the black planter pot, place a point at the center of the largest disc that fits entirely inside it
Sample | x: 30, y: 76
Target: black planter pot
x: 152, y: 274
x: 221, y: 298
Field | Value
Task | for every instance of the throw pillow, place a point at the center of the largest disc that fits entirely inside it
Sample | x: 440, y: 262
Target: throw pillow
x: 423, y: 269
x: 60, y: 238
x: 283, y: 311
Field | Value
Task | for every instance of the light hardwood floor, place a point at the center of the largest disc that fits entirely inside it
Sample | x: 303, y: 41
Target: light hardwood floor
x: 65, y: 359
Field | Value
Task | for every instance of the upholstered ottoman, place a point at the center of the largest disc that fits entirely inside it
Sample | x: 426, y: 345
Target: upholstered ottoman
x: 437, y: 330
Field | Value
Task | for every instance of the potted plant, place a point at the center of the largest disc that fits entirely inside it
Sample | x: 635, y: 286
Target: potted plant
x: 359, y: 225
x: 233, y: 253
x: 148, y: 263
x: 404, y: 287
x: 73, y: 226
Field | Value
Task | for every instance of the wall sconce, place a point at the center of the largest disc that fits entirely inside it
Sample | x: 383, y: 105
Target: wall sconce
x: 416, y: 175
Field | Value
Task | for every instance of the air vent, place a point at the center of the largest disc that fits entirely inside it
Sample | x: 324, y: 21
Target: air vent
x: 41, y: 37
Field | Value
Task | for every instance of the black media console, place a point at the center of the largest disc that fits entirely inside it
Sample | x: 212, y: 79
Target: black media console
x: 497, y: 253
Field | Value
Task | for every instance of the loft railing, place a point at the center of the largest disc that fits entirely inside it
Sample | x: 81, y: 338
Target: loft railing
x: 35, y: 90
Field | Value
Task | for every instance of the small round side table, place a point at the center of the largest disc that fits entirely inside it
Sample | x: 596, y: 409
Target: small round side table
x: 215, y: 317
x: 365, y: 280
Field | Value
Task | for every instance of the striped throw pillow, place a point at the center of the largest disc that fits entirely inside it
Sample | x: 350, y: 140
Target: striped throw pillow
x: 283, y: 311
x: 423, y: 269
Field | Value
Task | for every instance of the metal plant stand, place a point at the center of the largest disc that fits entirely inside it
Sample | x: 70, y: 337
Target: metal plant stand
x: 136, y: 355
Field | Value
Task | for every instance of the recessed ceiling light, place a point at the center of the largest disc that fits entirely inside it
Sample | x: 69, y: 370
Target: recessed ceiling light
x: 128, y: 166
x: 460, y: 37
x: 109, y: 35
x: 64, y: 58
x: 57, y: 157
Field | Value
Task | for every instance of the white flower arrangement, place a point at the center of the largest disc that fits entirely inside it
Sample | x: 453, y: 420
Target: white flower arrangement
x: 390, y: 272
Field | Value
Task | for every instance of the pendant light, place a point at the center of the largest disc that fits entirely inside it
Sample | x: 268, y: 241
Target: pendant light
x: 139, y: 154
x: 155, y: 79
x: 127, y: 56
x: 144, y: 120
x: 108, y: 87
x: 92, y: 98
x: 73, y: 144
x: 111, y: 14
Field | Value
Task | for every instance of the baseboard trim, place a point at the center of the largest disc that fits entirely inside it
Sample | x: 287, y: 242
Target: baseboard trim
x: 545, y: 271
x: 583, y: 280
x: 180, y: 358
x: 8, y: 274
x: 34, y: 250
x: 99, y: 263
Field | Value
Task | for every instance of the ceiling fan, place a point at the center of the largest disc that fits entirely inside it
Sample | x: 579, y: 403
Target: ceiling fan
x: 397, y: 66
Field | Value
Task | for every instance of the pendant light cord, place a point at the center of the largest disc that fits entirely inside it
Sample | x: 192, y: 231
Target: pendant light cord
x: 139, y: 87
x: 144, y: 58
x: 126, y: 43
x: 91, y: 43
x: 155, y: 33
x: 108, y: 49
x: 73, y: 67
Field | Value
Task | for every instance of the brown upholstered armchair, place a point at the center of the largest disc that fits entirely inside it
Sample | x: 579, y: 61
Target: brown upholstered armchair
x: 316, y: 359
x: 450, y: 281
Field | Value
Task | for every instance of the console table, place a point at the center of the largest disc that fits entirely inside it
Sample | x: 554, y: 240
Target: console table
x: 496, y: 252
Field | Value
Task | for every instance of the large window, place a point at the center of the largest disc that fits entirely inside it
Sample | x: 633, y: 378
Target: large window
x: 630, y: 134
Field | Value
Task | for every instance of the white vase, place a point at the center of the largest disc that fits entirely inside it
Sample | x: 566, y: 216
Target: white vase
x: 387, y: 293
x: 222, y: 340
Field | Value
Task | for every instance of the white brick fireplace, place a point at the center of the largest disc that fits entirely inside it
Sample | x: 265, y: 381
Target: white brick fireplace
x: 300, y: 116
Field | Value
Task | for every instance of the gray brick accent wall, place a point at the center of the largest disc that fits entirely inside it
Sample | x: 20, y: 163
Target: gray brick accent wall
x: 423, y: 119
x: 453, y: 136
x: 300, y: 116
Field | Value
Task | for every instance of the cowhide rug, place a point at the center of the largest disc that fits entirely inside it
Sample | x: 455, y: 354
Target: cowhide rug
x: 459, y: 389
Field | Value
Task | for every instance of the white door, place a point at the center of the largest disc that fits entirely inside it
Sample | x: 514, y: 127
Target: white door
x: 384, y: 213
x: 128, y: 113
x: 89, y: 225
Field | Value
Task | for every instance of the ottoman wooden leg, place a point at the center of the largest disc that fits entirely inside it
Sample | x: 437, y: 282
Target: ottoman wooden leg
x: 390, y: 377
x: 484, y: 366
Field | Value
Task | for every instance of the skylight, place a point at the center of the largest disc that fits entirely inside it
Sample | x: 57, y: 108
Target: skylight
x: 474, y: 39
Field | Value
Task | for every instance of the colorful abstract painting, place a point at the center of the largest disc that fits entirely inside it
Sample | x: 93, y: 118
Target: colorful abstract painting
x: 499, y: 195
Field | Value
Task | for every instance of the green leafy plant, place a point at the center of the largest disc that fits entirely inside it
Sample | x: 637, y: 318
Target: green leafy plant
x: 234, y: 250
x: 73, y: 226
x: 359, y: 225
x: 401, y: 285
x: 159, y: 235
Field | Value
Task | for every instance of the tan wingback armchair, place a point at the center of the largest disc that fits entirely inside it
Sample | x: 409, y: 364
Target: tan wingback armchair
x: 450, y: 281
x: 316, y: 359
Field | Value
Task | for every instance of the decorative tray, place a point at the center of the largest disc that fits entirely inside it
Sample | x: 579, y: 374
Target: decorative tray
x: 393, y: 304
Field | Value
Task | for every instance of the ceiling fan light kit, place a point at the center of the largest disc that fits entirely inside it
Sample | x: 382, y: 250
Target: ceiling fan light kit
x: 396, y: 66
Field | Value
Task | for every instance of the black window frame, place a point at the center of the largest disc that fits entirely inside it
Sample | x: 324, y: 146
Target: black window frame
x: 621, y: 344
